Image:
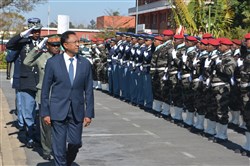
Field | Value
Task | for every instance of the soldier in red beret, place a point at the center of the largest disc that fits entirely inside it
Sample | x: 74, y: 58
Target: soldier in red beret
x: 177, y: 53
x: 235, y: 99
x: 188, y: 74
x: 221, y: 82
x: 199, y: 100
x: 165, y: 61
x: 209, y: 66
x: 245, y: 93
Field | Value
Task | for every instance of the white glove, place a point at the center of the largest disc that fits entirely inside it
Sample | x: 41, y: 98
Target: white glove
x: 133, y: 51
x: 121, y: 61
x: 218, y: 61
x: 207, y: 63
x: 166, y: 70
x: 42, y: 43
x: 26, y: 33
x: 141, y: 68
x: 232, y: 81
x: 138, y: 52
x: 109, y: 69
x: 174, y: 54
x: 239, y: 62
x: 179, y: 75
x: 184, y: 58
x: 208, y: 82
x: 164, y: 77
x: 121, y: 48
x: 195, y: 61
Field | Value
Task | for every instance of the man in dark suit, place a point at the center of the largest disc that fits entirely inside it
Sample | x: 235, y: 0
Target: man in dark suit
x: 67, y: 100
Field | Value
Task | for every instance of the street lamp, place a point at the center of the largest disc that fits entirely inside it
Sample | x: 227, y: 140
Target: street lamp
x: 209, y: 3
x: 136, y: 17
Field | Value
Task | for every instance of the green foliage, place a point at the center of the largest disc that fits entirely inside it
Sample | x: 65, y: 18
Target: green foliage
x: 3, y: 62
x: 228, y: 18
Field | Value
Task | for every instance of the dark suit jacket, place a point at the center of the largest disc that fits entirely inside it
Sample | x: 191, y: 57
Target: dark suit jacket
x: 58, y: 93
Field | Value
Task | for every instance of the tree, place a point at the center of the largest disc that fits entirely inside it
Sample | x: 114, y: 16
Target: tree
x: 110, y: 12
x: 71, y: 25
x: 17, y: 5
x: 11, y: 22
x: 80, y: 26
x: 92, y: 24
x: 53, y: 25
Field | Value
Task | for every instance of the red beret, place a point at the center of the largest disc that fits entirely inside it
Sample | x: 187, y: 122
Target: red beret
x: 204, y: 41
x: 191, y: 38
x: 247, y: 36
x: 226, y: 41
x: 206, y: 35
x: 100, y: 39
x: 236, y: 41
x: 213, y: 42
x: 158, y: 38
x: 178, y: 36
x: 94, y: 40
x: 168, y: 33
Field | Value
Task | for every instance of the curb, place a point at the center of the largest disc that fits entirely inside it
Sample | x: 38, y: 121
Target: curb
x: 12, y: 152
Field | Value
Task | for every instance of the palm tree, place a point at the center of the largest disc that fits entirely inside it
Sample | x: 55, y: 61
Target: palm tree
x: 195, y: 16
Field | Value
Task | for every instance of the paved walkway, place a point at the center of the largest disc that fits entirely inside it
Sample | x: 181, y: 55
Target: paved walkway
x: 12, y: 152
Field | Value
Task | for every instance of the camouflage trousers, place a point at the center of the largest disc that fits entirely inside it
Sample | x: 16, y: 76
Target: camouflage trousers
x: 217, y: 109
x: 245, y: 95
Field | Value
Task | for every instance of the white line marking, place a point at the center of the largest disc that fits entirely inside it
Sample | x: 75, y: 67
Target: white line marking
x: 108, y: 135
x: 153, y: 134
x: 188, y: 155
x: 98, y: 104
x: 126, y: 119
x: 136, y: 125
x: 116, y: 114
x: 106, y: 108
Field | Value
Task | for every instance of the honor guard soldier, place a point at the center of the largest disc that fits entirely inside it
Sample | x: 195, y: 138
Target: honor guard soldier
x: 24, y: 42
x: 209, y: 67
x: 165, y: 60
x: 138, y: 69
x: 177, y: 96
x: 222, y: 79
x: 190, y: 78
x: 126, y: 64
x: 115, y: 64
x: 235, y: 103
x: 147, y: 81
x: 111, y: 59
x: 244, y: 66
x: 120, y: 52
x: 132, y: 66
x: 199, y: 95
x: 157, y: 72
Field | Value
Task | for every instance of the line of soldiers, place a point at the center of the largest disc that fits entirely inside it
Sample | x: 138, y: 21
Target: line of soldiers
x: 170, y: 74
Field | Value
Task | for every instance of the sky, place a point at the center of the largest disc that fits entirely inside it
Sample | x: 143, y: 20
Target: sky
x: 79, y: 11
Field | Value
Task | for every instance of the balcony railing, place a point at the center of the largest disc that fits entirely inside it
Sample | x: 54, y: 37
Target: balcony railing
x: 150, y: 7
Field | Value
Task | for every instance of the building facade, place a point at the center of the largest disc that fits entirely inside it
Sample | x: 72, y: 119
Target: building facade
x: 153, y: 15
x: 115, y: 22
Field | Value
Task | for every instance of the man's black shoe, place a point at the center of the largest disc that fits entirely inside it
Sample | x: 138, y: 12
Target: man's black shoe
x: 46, y: 157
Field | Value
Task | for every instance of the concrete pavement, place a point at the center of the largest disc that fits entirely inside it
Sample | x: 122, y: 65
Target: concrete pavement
x: 122, y: 135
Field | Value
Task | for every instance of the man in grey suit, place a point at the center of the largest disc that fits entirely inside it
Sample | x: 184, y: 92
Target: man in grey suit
x: 38, y: 56
x: 67, y: 100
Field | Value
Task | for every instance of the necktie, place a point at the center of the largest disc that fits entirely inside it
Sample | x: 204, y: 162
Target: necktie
x: 71, y: 71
